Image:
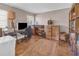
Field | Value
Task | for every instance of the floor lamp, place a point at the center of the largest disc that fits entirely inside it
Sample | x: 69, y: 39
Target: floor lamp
x: 11, y: 17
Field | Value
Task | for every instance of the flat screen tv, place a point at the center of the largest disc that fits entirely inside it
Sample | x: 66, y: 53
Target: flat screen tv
x: 22, y: 26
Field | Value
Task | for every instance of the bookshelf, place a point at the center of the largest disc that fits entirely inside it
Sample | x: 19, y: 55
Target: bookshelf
x: 74, y: 27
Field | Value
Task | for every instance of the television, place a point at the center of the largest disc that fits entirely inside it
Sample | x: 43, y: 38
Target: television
x: 22, y: 26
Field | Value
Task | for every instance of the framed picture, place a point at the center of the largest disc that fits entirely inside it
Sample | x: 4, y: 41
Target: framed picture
x: 50, y: 22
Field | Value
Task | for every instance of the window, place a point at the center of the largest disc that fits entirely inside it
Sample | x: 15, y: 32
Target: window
x: 30, y: 20
x: 3, y: 19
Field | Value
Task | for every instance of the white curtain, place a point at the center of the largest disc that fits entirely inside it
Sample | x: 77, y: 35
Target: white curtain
x: 3, y: 19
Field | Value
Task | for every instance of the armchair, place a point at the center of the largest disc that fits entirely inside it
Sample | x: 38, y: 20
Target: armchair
x: 27, y: 32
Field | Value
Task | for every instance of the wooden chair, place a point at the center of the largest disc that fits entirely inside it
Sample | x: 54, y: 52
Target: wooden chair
x: 0, y: 32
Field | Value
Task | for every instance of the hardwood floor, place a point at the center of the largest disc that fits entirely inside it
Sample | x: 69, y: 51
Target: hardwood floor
x: 42, y: 47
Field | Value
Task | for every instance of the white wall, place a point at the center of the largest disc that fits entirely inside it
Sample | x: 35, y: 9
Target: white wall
x: 21, y: 15
x: 60, y: 17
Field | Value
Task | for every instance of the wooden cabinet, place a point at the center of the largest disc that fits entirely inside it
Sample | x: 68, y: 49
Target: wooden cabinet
x: 52, y: 32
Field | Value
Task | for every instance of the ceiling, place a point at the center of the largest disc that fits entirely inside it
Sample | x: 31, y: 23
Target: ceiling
x: 40, y: 7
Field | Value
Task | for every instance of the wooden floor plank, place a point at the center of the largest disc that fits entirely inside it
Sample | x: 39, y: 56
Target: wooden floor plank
x: 42, y: 47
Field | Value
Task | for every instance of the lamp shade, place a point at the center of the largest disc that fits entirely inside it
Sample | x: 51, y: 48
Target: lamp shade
x: 11, y: 15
